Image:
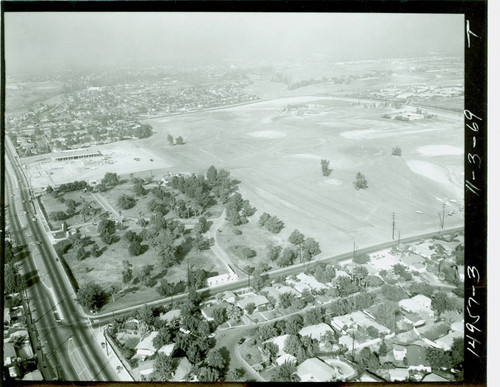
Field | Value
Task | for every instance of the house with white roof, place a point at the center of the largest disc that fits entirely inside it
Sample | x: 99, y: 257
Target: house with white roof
x: 358, y: 318
x: 419, y: 304
x: 446, y: 341
x: 167, y: 349
x: 256, y: 299
x: 280, y: 342
x: 145, y: 347
x: 316, y: 331
x: 171, y: 315
x: 314, y: 370
x: 286, y: 357
x: 310, y: 281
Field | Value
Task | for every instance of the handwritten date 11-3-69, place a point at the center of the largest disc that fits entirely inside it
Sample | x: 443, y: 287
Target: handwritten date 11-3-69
x: 473, y: 158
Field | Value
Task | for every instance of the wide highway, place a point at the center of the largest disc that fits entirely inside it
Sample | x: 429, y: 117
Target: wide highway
x: 69, y: 347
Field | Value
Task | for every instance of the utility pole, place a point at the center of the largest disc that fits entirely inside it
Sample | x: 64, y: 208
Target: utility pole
x: 399, y: 237
x: 393, y: 224
x: 442, y: 218
x: 354, y: 250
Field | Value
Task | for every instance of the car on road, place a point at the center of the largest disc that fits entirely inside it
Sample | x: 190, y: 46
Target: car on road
x: 38, y: 242
x: 241, y: 341
x: 211, y: 335
x: 25, y: 212
x: 34, y: 219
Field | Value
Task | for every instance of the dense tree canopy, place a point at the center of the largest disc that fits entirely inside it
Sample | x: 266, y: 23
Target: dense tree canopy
x: 91, y: 296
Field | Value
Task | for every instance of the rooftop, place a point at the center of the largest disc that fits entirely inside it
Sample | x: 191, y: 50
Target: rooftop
x: 314, y: 370
x: 315, y: 331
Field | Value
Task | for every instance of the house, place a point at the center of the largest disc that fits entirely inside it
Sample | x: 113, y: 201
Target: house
x: 358, y: 318
x: 170, y: 316
x: 316, y: 331
x: 348, y: 341
x: 183, y: 369
x: 6, y: 316
x: 413, y: 319
x: 384, y: 262
x: 398, y: 374
x: 429, y: 334
x: 310, y: 281
x: 208, y: 311
x: 145, y: 346
x: 33, y: 375
x: 414, y: 262
x: 432, y: 377
x: 399, y: 352
x: 446, y: 341
x: 278, y: 289
x: 257, y: 300
x: 419, y: 304
x: 314, y: 370
x: 167, y: 349
x: 286, y: 357
x: 229, y: 297
x: 146, y: 372
x: 9, y: 353
x: 14, y: 371
x: 280, y: 342
x: 457, y: 326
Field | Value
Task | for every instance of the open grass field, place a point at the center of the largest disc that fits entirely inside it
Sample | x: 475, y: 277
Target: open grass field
x: 276, y: 155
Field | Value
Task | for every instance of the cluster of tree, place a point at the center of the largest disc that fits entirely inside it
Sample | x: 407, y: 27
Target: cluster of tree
x: 9, y: 254
x: 442, y: 302
x: 237, y: 210
x: 196, y: 188
x: 106, y: 230
x: 325, y: 167
x: 361, y: 259
x: 12, y: 279
x: 302, y: 348
x: 78, y: 243
x: 290, y: 326
x: 324, y: 272
x: 138, y: 187
x: 345, y: 286
x: 109, y: 181
x: 58, y: 216
x: 197, y: 279
x: 213, y: 368
x: 260, y: 279
x: 459, y: 255
x: 126, y: 201
x: 134, y: 240
x: 286, y: 373
x: 289, y: 300
x: 367, y: 359
x: 393, y: 292
x: 222, y: 185
x: 72, y: 186
x: 143, y: 131
x: 360, y: 182
x: 165, y: 236
x: 197, y: 232
x: 421, y: 288
x: 271, y: 223
x: 145, y: 277
x: 396, y: 151
x: 387, y: 314
x: 454, y: 358
x: 305, y: 247
x: 91, y: 296
x: 402, y: 271
x: 178, y: 140
x: 167, y: 289
x: 351, y: 304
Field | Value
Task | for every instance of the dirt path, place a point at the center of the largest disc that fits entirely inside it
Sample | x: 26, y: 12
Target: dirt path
x: 104, y: 204
x: 217, y: 250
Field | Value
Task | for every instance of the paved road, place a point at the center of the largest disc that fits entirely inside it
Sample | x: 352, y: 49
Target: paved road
x: 70, y: 347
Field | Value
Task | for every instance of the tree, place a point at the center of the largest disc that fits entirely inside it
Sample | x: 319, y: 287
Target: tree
x: 442, y: 302
x: 219, y: 316
x: 273, y: 252
x: 296, y: 238
x: 310, y: 248
x: 361, y: 259
x: 163, y: 337
x: 250, y: 307
x: 396, y: 151
x: 212, y: 175
x: 325, y: 167
x: 233, y: 312
x: 264, y: 218
x: 126, y: 272
x: 459, y: 254
x: 12, y: 280
x: 170, y: 139
x: 135, y: 248
x: 125, y: 202
x: 386, y: 314
x: 267, y: 331
x: 138, y: 189
x: 91, y: 296
x: 215, y: 359
x: 145, y: 275
x: 360, y: 182
x: 179, y: 141
x: 106, y: 230
x: 163, y: 368
x: 274, y: 225
x: 457, y: 352
x: 359, y: 273
x: 285, y: 373
x: 438, y: 358
x: 294, y: 324
x: 314, y: 316
x: 110, y: 179
x: 393, y: 293
x: 286, y: 258
x: 450, y: 316
x: 146, y: 315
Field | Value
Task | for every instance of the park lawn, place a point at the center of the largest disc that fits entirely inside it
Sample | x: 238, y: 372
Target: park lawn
x: 126, y: 188
x: 253, y: 237
x: 250, y: 353
x: 51, y: 204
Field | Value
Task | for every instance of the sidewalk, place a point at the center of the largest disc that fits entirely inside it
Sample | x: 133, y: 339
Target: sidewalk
x: 109, y: 354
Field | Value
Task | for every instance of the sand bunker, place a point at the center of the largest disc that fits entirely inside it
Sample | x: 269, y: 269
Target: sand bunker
x: 439, y: 150
x: 267, y: 134
x: 429, y: 170
x: 333, y: 181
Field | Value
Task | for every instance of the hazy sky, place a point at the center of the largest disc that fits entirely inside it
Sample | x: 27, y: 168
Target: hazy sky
x: 37, y: 40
